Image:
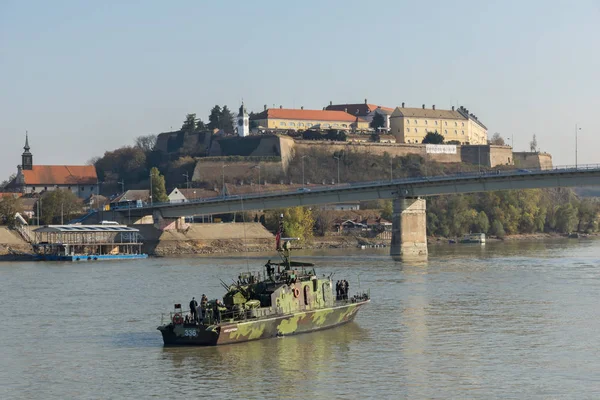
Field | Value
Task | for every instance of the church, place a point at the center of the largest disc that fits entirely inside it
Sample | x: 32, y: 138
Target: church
x: 35, y: 179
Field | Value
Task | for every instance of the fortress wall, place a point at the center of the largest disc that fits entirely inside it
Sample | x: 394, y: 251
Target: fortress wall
x: 533, y: 160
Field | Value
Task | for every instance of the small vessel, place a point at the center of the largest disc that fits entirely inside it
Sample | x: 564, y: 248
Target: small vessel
x: 474, y: 238
x: 286, y: 298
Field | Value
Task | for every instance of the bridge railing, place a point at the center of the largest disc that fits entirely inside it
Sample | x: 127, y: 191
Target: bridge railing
x: 517, y: 171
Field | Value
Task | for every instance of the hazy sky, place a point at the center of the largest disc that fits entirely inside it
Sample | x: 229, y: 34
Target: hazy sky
x: 86, y: 77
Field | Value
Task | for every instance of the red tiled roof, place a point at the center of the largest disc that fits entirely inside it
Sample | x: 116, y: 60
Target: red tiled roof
x: 360, y: 109
x: 61, y: 175
x: 9, y: 194
x: 314, y: 115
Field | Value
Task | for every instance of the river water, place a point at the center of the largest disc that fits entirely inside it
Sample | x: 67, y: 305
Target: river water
x: 507, y: 320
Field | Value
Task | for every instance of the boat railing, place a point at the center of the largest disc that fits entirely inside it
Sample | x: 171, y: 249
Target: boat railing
x: 209, y: 317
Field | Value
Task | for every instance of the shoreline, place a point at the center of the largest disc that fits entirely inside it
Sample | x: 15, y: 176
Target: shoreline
x: 223, y: 247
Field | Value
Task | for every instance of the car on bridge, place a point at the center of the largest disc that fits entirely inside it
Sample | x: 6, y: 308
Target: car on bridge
x: 303, y: 190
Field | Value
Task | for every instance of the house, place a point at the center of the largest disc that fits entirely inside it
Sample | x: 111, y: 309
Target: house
x: 301, y: 119
x: 364, y: 111
x: 183, y: 195
x: 131, y: 198
x: 31, y: 179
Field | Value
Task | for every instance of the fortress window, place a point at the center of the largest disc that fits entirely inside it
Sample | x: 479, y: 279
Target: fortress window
x: 415, y: 129
x: 415, y: 121
x: 445, y: 131
x: 436, y: 122
x: 408, y: 121
x: 463, y: 124
x: 463, y: 132
x: 407, y: 130
x: 455, y: 132
x: 455, y: 123
x: 425, y: 122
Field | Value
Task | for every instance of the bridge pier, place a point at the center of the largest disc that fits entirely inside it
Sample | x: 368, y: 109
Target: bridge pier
x: 409, y: 228
x: 167, y: 224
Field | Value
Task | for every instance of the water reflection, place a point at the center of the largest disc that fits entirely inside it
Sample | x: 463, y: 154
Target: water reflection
x: 278, y: 362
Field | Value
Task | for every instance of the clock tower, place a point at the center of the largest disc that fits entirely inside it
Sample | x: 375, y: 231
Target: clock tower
x: 243, y: 122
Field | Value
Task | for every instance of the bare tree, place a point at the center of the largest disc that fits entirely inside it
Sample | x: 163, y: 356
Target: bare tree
x: 146, y: 143
x: 497, y: 140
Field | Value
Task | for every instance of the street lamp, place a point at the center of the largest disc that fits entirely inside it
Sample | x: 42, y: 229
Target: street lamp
x: 223, y: 176
x: 338, y: 169
x: 576, y: 129
x: 151, y: 199
x: 187, y: 180
x: 257, y: 166
x: 303, y: 169
x: 122, y: 183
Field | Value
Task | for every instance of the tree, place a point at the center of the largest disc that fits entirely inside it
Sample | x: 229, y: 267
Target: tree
x: 497, y: 229
x: 533, y: 144
x: 387, y: 211
x: 146, y: 143
x: 58, y: 206
x: 323, y: 221
x: 226, y: 120
x: 214, y: 118
x: 298, y: 222
x: 189, y: 125
x: 9, y: 206
x: 200, y: 126
x: 159, y: 193
x: 433, y: 138
x: 377, y: 122
x: 7, y: 181
x: 497, y: 140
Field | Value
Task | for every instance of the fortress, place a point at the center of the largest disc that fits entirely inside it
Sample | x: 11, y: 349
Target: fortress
x: 283, y: 148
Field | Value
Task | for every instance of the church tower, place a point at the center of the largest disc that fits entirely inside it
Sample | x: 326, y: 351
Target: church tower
x: 26, y: 157
x: 243, y: 122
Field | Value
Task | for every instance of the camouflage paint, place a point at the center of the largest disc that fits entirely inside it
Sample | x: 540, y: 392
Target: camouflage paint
x: 227, y: 333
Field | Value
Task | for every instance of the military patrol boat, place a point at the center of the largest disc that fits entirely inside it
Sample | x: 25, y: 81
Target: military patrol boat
x: 287, y: 298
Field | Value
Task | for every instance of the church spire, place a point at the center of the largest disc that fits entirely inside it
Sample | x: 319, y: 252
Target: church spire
x: 26, y: 147
x: 26, y: 157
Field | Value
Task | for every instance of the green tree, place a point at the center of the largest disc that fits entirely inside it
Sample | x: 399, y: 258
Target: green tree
x: 9, y: 207
x: 497, y: 229
x: 200, y: 125
x: 387, y: 211
x: 566, y: 218
x: 298, y: 222
x: 214, y: 118
x: 159, y: 193
x: 59, y: 207
x: 7, y: 181
x: 189, y: 125
x: 377, y: 122
x: 433, y: 138
x: 226, y: 120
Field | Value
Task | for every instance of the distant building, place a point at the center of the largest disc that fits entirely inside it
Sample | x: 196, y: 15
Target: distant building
x: 301, y: 119
x: 410, y: 125
x: 31, y: 179
x: 364, y: 111
x: 341, y: 207
x: 184, y: 195
x: 131, y: 198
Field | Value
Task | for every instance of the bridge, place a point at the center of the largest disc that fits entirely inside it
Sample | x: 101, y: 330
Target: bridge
x: 409, y: 219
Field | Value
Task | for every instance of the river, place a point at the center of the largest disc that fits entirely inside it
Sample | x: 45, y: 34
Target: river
x: 504, y: 320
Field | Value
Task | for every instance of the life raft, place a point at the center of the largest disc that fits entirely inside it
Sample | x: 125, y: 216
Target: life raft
x: 177, y: 319
x: 296, y: 292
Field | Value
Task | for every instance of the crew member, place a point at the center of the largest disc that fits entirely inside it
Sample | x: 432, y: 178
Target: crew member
x: 193, y: 305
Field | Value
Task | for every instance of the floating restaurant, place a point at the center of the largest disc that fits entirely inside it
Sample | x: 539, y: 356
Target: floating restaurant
x: 87, y: 243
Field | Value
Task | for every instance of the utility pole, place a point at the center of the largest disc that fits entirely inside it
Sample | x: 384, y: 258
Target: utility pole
x: 576, y: 129
x: 187, y: 180
x: 338, y: 169
x: 303, y: 169
x: 150, y: 187
x: 391, y: 169
x: 122, y: 183
x: 257, y: 166
x: 223, y: 178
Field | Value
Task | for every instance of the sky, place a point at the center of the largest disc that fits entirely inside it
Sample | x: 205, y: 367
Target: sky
x: 88, y: 77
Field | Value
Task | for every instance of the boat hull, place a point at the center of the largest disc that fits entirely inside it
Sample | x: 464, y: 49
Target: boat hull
x: 243, y: 331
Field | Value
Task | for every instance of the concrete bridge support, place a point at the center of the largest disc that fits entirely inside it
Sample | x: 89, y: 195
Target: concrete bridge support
x: 167, y: 224
x: 409, y: 228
